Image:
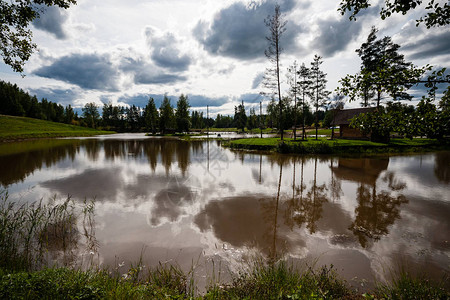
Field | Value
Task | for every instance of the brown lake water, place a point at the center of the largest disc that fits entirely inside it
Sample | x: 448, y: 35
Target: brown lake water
x: 197, y: 204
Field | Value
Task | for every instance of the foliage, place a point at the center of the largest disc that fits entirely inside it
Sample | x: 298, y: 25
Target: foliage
x: 91, y: 115
x: 16, y: 44
x: 223, y: 121
x: 305, y: 90
x: 340, y: 146
x: 318, y: 87
x: 151, y: 116
x: 437, y: 14
x: 197, y: 120
x: 15, y: 102
x: 134, y: 118
x: 182, y: 114
x: 426, y: 119
x: 383, y: 70
x: 282, y: 281
x: 64, y: 283
x: 294, y: 90
x: 406, y: 286
x: 28, y: 231
x: 252, y: 120
x: 240, y: 118
x: 166, y: 116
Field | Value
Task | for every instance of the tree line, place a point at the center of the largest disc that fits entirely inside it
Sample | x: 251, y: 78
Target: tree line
x: 166, y: 119
x: 15, y: 102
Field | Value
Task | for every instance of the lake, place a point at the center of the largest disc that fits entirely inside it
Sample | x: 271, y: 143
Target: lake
x: 202, y: 206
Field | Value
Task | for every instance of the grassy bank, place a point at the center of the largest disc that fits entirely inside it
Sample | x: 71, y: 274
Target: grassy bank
x: 327, y: 146
x: 19, y: 128
x: 263, y: 281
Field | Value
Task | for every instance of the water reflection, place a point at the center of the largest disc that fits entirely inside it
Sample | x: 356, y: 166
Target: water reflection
x: 307, y: 209
x: 19, y: 160
x: 442, y: 166
x: 198, y: 196
x: 376, y: 210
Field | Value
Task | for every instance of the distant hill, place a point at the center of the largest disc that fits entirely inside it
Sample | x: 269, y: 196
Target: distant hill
x: 18, y: 128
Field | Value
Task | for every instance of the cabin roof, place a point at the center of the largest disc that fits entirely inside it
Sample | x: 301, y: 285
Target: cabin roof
x: 343, y: 116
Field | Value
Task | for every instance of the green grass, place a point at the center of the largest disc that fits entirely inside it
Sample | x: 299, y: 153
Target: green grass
x: 320, y: 132
x: 262, y: 281
x: 337, y: 146
x: 406, y: 286
x: 19, y: 128
x: 282, y: 281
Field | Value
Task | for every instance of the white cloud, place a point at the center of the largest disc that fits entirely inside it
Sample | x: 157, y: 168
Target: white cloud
x: 210, y: 49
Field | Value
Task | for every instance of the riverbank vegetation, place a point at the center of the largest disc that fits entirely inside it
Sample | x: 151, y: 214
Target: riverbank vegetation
x: 19, y: 128
x: 31, y: 234
x: 339, y: 146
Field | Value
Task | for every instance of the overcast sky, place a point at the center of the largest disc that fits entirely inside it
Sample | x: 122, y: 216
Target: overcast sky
x: 123, y: 52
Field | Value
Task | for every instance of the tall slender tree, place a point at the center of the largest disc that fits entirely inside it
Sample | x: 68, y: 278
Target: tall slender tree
x: 272, y: 81
x: 304, y: 88
x: 294, y: 91
x: 319, y: 82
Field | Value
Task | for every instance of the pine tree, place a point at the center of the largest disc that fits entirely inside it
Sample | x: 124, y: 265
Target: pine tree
x: 319, y: 92
x: 304, y: 86
x: 182, y: 114
x: 151, y: 116
x: 166, y: 115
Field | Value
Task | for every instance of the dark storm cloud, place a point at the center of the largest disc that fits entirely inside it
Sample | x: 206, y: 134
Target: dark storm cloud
x: 88, y: 71
x: 51, y: 19
x: 164, y: 52
x: 238, y: 31
x: 257, y: 80
x: 144, y: 73
x: 201, y: 101
x: 250, y: 98
x: 60, y: 96
x: 335, y: 35
x: 157, y: 78
x: 432, y: 45
x: 141, y: 100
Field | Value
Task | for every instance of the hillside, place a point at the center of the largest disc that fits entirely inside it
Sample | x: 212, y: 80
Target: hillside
x: 18, y: 128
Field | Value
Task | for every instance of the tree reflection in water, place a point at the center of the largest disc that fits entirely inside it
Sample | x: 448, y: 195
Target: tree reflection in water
x: 376, y: 211
x: 307, y: 209
x: 442, y: 166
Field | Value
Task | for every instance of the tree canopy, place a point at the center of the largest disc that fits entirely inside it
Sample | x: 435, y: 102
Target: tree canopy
x: 437, y: 14
x: 383, y: 70
x: 16, y: 45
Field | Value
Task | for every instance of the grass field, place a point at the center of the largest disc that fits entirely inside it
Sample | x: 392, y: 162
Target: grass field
x: 18, y: 128
x: 337, y: 146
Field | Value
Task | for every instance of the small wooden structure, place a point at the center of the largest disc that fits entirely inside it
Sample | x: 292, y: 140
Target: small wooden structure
x: 342, y: 119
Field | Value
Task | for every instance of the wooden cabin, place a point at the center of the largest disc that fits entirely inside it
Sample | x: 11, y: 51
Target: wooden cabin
x: 342, y: 119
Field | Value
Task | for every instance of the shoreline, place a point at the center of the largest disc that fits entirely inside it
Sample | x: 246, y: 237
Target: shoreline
x: 338, y: 146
